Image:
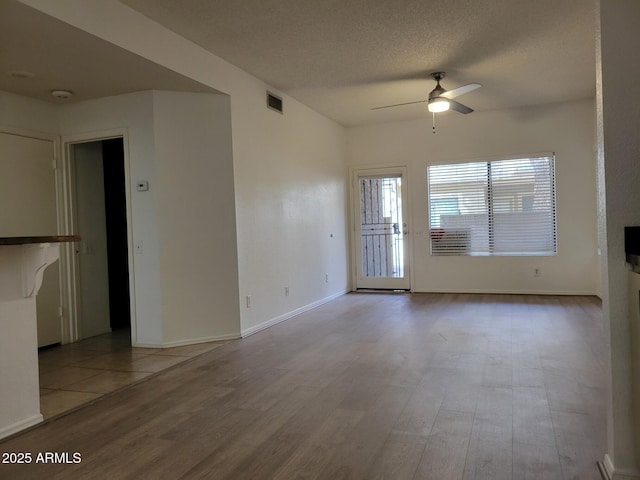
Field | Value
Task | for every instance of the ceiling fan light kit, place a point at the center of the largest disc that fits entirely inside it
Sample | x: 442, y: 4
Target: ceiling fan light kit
x: 437, y: 105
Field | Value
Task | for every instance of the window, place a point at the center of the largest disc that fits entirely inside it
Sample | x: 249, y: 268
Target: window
x: 499, y: 207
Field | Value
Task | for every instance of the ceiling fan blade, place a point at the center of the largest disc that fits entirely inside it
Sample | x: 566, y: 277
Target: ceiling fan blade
x: 456, y: 92
x: 399, y: 104
x: 458, y: 107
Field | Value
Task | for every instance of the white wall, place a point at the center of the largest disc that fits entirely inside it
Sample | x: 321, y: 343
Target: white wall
x: 289, y: 171
x: 196, y: 221
x: 291, y: 198
x: 288, y: 174
x: 26, y: 113
x: 185, y: 280
x: 618, y: 68
x: 566, y: 129
x: 134, y: 114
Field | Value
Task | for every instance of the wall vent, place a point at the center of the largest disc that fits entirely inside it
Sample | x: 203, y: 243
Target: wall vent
x: 274, y: 102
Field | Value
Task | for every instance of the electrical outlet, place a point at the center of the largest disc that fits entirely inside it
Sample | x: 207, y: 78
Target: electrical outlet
x: 536, y: 272
x: 286, y: 291
x: 326, y: 278
x: 248, y: 299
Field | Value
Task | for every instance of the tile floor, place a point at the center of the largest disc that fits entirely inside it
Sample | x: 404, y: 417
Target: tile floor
x: 78, y: 373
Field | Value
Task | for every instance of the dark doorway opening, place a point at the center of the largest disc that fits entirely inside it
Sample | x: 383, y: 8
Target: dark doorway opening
x: 117, y: 241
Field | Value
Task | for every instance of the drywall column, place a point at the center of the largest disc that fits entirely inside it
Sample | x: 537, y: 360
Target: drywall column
x: 618, y: 122
x: 197, y: 224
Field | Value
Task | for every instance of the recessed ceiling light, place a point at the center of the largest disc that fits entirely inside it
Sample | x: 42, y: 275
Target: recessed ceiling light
x: 20, y: 74
x: 62, y: 93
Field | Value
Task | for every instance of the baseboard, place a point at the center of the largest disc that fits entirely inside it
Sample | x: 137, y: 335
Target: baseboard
x: 21, y: 425
x: 381, y: 290
x: 609, y: 472
x: 244, y: 333
x: 190, y: 341
x: 286, y: 316
x: 512, y: 292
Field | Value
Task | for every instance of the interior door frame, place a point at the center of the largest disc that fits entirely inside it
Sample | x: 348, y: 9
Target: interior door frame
x: 72, y: 327
x: 354, y: 210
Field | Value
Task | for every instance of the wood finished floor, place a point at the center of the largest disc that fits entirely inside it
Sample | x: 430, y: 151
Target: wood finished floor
x: 369, y: 386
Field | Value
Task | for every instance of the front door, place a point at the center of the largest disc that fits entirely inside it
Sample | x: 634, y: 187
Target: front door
x: 381, y: 230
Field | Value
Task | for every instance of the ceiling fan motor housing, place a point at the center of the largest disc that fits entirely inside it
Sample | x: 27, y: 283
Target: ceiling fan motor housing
x: 436, y: 92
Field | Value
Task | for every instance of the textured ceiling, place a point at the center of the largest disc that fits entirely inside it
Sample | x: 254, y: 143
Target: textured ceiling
x: 343, y: 57
x: 340, y: 57
x: 63, y: 57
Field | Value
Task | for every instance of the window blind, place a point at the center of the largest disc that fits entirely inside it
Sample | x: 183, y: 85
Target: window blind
x: 499, y: 207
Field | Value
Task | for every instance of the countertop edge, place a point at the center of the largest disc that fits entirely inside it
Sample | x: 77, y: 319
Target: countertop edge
x: 38, y: 239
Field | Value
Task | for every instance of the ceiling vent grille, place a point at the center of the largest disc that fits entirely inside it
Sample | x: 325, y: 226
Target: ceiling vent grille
x: 274, y: 102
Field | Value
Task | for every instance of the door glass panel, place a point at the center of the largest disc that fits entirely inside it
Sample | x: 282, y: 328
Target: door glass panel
x: 381, y: 227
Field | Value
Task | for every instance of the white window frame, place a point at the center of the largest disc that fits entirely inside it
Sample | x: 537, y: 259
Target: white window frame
x: 460, y: 240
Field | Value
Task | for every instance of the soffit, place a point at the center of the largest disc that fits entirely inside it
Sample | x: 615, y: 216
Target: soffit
x: 63, y: 57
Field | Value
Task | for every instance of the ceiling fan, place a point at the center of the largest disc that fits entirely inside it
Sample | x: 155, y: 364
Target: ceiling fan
x: 441, y: 100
